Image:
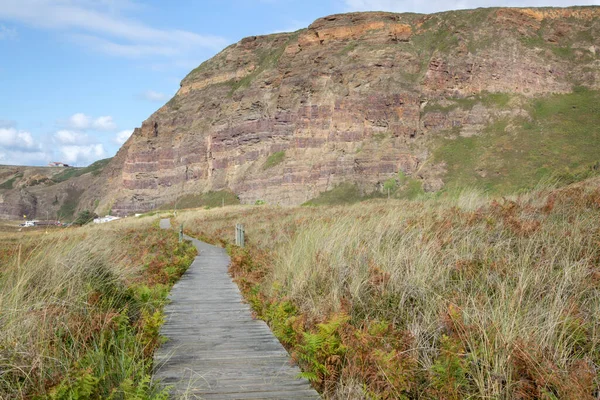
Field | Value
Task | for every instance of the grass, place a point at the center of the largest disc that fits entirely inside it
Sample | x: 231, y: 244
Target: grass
x: 81, y: 308
x: 489, y: 100
x: 274, y: 160
x: 564, y: 48
x: 344, y: 193
x: 561, y: 138
x: 401, y: 187
x: 69, y: 206
x: 8, y: 184
x: 71, y: 172
x: 266, y: 59
x: 207, y: 200
x: 452, y: 298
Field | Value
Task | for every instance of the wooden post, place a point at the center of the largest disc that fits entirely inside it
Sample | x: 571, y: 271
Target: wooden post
x: 181, y: 233
x: 239, y: 235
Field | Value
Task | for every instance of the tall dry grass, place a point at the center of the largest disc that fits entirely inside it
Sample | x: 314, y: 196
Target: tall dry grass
x: 77, y: 309
x: 483, y: 298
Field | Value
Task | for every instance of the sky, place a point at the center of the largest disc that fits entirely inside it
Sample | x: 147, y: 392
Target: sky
x: 77, y: 76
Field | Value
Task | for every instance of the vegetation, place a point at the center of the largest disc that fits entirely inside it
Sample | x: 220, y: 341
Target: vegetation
x: 8, y: 184
x: 80, y: 310
x: 489, y: 100
x: 206, y: 200
x: 84, y: 217
x: 444, y: 298
x: 71, y: 172
x: 400, y: 187
x: 70, y: 204
x: 561, y: 138
x: 274, y: 159
x: 344, y: 193
x: 267, y: 58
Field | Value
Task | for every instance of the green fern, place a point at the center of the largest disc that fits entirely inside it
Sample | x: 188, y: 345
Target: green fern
x: 320, y: 347
x: 82, y: 386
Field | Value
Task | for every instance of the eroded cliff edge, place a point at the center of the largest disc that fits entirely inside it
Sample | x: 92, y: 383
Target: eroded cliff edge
x: 354, y: 98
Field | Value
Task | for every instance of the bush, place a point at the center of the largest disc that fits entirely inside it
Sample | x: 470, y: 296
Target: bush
x: 85, y: 217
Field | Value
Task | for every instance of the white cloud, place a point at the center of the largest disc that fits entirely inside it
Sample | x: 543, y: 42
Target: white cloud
x: 103, y: 26
x: 79, y: 121
x: 105, y: 123
x: 79, y: 155
x: 12, y: 139
x: 83, y: 122
x: 122, y: 136
x: 70, y: 137
x: 18, y: 157
x: 7, y: 33
x: 20, y: 148
x: 151, y: 95
x: 438, y: 5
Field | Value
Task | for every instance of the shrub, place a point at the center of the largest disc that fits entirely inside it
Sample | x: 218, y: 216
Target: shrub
x: 84, y: 217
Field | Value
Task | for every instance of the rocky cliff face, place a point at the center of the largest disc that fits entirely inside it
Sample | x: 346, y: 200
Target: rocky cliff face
x: 284, y: 117
x: 354, y: 98
x: 53, y: 193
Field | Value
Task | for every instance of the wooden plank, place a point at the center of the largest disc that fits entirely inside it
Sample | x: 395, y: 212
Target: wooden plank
x: 215, y: 349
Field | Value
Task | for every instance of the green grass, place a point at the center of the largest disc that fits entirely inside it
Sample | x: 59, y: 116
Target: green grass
x: 274, y: 159
x: 267, y: 59
x: 562, y: 137
x: 209, y: 200
x: 344, y: 193
x: 10, y: 183
x: 410, y: 190
x: 489, y: 100
x: 402, y: 187
x: 349, y: 48
x: 347, y: 193
x: 71, y: 172
x: 564, y: 48
x: 69, y: 206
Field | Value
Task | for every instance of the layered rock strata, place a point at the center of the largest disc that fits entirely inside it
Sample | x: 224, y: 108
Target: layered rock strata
x: 346, y: 100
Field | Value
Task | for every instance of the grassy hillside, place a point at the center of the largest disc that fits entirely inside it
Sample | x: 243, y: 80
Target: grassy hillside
x: 559, y: 137
x: 80, y: 309
x: 208, y: 200
x: 456, y: 298
x: 71, y: 172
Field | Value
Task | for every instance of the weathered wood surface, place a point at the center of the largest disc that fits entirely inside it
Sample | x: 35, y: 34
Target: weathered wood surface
x: 215, y: 349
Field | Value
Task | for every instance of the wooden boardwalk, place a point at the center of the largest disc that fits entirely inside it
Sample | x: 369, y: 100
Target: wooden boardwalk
x: 215, y: 349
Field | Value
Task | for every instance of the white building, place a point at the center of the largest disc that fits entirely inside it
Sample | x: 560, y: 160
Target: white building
x: 108, y: 218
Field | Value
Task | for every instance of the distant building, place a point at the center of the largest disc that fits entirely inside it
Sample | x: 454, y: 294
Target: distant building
x: 58, y: 164
x: 108, y: 218
x: 36, y: 222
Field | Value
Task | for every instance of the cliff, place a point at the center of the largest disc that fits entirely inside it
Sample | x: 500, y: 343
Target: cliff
x: 365, y: 98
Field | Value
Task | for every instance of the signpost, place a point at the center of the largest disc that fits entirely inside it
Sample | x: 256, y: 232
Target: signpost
x: 239, y: 235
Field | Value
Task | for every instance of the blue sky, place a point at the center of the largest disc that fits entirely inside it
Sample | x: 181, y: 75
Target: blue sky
x: 76, y: 76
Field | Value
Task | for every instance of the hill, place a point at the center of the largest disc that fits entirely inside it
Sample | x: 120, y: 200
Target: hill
x: 47, y: 192
x: 374, y: 103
